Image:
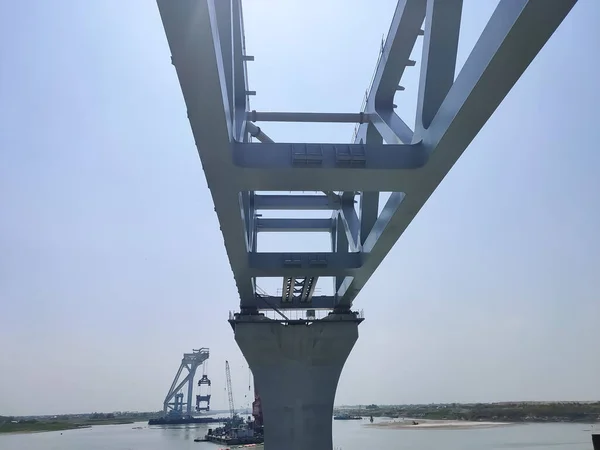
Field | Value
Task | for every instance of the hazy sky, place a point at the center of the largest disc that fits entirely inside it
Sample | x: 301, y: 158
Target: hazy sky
x: 111, y: 259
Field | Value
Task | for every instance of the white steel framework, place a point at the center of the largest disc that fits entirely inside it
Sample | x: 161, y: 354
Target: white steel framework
x: 206, y: 39
x: 174, y: 400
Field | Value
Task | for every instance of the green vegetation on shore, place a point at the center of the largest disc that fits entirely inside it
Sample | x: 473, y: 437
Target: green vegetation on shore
x: 586, y: 412
x: 34, y: 424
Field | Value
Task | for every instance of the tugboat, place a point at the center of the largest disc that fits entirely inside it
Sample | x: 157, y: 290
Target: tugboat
x: 236, y: 431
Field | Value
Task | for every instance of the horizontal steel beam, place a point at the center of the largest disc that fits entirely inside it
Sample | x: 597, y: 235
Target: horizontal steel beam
x: 328, y: 156
x: 294, y: 202
x: 325, y: 167
x: 293, y: 225
x: 268, y: 302
x: 255, y: 116
x: 322, y: 179
x: 321, y: 264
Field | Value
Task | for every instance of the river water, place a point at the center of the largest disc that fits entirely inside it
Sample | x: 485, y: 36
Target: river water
x: 348, y: 435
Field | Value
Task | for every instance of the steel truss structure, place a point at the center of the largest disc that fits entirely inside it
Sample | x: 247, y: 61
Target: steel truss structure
x: 206, y: 38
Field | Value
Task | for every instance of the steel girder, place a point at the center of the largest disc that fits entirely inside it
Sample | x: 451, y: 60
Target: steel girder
x: 207, y: 45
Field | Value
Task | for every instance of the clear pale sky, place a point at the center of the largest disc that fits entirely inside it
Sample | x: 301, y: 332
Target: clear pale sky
x: 111, y: 259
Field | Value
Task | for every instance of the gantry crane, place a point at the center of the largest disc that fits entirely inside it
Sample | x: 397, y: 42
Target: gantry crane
x: 174, y: 403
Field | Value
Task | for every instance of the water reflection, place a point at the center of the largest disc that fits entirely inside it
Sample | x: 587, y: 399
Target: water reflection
x: 348, y: 435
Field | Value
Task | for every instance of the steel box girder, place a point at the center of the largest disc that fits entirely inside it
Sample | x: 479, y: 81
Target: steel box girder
x: 255, y: 116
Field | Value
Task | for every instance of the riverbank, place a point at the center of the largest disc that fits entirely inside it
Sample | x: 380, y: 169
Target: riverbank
x: 436, y: 424
x: 45, y: 426
x: 511, y: 412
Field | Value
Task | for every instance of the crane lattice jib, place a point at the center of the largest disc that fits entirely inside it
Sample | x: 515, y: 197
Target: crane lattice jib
x: 229, y: 389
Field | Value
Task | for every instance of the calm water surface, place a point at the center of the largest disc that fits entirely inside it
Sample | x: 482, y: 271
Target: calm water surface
x: 350, y: 435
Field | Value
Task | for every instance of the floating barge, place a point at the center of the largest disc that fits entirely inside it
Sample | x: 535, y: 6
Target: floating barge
x: 239, y: 440
x: 183, y: 420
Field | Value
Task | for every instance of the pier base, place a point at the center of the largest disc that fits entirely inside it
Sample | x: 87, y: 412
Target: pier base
x: 296, y: 367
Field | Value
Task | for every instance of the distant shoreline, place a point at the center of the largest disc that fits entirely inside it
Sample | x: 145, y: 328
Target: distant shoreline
x: 507, y: 412
x: 46, y: 430
x: 425, y: 424
x: 45, y: 427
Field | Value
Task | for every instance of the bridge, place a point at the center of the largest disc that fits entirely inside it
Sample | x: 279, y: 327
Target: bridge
x: 297, y: 363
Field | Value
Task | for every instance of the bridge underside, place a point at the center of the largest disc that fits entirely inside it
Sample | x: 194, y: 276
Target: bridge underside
x: 206, y: 38
x: 246, y: 177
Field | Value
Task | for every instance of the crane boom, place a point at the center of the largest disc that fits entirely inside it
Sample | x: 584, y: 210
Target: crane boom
x: 229, y: 390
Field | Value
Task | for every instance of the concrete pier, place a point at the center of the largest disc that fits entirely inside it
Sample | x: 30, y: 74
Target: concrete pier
x: 296, y: 366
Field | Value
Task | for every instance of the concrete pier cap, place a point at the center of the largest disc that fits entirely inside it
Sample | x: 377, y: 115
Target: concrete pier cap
x: 296, y: 366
